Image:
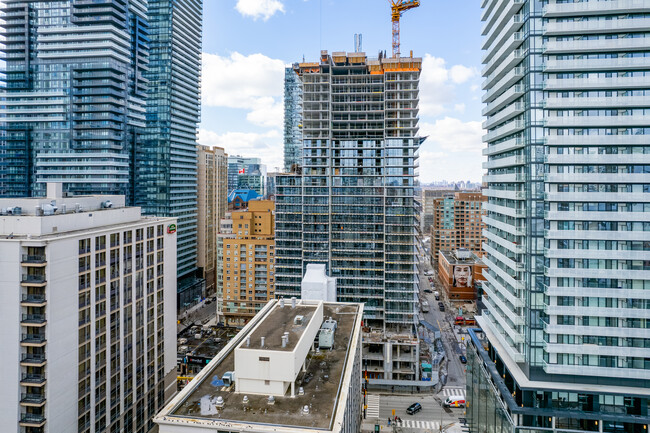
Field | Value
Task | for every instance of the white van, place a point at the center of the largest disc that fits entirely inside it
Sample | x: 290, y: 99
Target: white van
x: 456, y: 401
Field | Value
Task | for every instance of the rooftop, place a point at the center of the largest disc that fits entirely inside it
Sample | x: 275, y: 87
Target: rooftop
x: 327, y: 375
x: 450, y: 257
x: 279, y: 321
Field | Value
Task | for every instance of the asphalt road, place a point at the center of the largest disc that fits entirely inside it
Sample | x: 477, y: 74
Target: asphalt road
x: 444, y: 322
x: 428, y: 419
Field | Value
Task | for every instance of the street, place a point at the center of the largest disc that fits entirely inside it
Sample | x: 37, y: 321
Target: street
x: 429, y: 419
x: 445, y: 322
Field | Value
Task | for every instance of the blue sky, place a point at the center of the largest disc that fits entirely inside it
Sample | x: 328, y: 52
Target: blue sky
x: 247, y: 43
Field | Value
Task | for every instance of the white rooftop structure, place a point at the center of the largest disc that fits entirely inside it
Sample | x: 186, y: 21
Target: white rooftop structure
x: 271, y: 357
x: 317, y: 285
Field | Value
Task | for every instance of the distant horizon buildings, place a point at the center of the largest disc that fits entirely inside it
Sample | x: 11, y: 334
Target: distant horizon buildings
x: 564, y: 341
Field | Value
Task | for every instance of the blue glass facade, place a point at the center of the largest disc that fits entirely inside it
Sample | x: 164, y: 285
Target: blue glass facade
x: 166, y: 166
x: 73, y: 110
x: 292, y: 118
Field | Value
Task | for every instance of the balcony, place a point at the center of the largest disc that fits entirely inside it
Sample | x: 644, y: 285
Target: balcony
x: 33, y: 260
x: 36, y: 380
x: 33, y: 340
x: 33, y: 281
x: 597, y: 121
x: 591, y: 46
x: 33, y: 360
x: 504, y: 162
x: 32, y: 420
x: 604, y: 83
x: 504, y: 146
x: 557, y: 28
x: 621, y: 63
x: 33, y: 300
x: 33, y: 320
x: 503, y: 99
x: 505, y: 130
x: 598, y: 102
x: 32, y: 400
x: 596, y: 8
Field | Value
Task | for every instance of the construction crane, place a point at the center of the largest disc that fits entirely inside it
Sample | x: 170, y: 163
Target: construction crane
x: 398, y: 7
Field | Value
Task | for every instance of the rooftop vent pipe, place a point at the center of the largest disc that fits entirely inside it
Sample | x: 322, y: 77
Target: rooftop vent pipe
x: 293, y: 302
x: 248, y: 341
x: 262, y: 345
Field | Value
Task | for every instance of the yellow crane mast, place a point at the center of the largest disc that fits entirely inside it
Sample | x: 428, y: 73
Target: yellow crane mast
x: 398, y: 7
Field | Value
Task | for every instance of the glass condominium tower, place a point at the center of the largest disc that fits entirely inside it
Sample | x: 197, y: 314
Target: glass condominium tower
x: 350, y: 205
x: 72, y: 108
x: 167, y: 163
x: 292, y: 118
x: 565, y: 340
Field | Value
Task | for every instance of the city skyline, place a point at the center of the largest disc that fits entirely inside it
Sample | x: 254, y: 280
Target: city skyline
x: 243, y: 81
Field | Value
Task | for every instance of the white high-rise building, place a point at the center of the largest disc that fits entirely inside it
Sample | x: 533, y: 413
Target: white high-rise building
x: 567, y: 325
x: 88, y: 313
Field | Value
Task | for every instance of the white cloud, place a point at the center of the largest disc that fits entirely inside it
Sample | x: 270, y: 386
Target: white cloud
x: 437, y: 84
x: 453, y: 135
x: 256, y: 9
x: 254, y: 83
x: 460, y: 74
x: 452, y: 150
x: 266, y: 145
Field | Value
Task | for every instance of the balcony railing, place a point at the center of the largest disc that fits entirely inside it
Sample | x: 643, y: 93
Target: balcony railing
x: 32, y: 398
x: 33, y: 319
x: 33, y: 279
x: 40, y: 258
x: 33, y: 338
x: 32, y: 418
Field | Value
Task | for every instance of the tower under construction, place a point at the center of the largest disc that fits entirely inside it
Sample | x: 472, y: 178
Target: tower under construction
x: 351, y: 204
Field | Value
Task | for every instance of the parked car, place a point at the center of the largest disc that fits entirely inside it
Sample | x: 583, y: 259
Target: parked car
x: 437, y: 297
x: 441, y: 306
x: 414, y: 408
x: 463, y: 360
x: 428, y: 291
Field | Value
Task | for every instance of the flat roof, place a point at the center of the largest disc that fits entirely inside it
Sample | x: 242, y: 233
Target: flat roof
x: 321, y: 382
x: 279, y: 321
x: 449, y: 257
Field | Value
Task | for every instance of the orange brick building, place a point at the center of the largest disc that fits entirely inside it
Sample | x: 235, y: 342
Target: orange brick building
x: 248, y: 262
x: 461, y: 273
x: 457, y: 223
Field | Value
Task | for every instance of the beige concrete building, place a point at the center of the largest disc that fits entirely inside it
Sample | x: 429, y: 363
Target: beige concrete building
x: 248, y: 280
x: 212, y: 203
x: 88, y: 308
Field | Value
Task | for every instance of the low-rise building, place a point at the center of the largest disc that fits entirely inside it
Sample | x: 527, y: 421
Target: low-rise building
x: 88, y: 308
x: 277, y: 375
x: 461, y: 273
x: 248, y: 279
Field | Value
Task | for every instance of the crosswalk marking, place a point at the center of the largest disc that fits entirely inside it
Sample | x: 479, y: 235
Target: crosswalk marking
x: 373, y: 406
x: 453, y: 392
x: 408, y: 423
